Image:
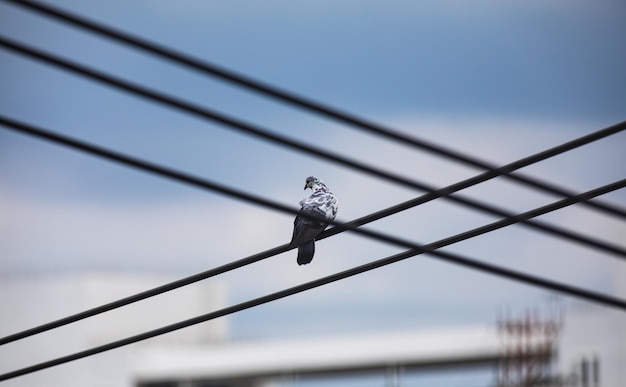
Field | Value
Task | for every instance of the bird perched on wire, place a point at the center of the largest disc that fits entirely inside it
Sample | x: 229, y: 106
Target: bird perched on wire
x: 322, y: 204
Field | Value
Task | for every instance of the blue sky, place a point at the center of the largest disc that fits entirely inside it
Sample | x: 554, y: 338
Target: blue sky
x: 500, y: 80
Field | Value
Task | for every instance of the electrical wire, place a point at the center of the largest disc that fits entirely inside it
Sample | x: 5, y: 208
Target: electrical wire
x: 577, y: 292
x: 453, y: 258
x: 339, y: 227
x: 292, y: 99
x: 241, y: 126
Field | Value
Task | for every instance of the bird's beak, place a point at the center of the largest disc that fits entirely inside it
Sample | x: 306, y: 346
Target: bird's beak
x: 306, y: 185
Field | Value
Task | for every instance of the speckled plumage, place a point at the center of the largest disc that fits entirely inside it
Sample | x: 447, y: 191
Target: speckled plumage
x: 321, y: 203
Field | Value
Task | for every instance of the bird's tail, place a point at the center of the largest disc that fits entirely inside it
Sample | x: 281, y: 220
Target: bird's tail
x: 305, y: 252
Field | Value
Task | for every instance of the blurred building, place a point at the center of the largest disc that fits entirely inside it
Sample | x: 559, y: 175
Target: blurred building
x: 593, y: 344
x: 34, y: 300
x: 264, y: 363
x: 589, y: 350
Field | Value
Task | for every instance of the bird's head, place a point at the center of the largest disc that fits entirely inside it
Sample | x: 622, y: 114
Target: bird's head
x: 313, y: 183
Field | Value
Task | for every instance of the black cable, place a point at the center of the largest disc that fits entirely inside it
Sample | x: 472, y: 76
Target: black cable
x: 295, y: 100
x: 23, y: 128
x: 331, y: 281
x: 236, y: 124
x: 453, y: 258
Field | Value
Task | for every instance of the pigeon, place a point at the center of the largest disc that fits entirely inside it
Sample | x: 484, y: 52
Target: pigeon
x: 321, y: 204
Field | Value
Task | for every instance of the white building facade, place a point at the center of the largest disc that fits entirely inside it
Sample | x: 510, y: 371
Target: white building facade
x: 202, y: 355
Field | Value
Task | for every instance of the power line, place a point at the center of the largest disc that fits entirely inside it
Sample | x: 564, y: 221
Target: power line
x: 580, y: 292
x: 340, y: 227
x: 203, y: 183
x: 293, y: 99
x: 236, y: 124
x: 455, y: 258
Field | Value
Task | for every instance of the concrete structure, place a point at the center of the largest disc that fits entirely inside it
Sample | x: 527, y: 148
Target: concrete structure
x: 31, y: 301
x: 202, y: 355
x: 594, y: 332
x: 259, y: 363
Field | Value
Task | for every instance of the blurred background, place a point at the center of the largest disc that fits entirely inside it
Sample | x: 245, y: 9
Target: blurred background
x: 495, y: 80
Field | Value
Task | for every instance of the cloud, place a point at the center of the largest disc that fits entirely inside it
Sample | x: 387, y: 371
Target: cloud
x: 154, y: 236
x: 189, y: 234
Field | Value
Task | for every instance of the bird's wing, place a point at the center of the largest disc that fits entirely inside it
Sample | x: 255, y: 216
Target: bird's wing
x: 305, y: 229
x: 319, y: 204
x: 322, y: 203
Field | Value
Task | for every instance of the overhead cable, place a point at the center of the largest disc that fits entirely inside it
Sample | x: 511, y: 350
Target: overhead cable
x: 339, y: 227
x: 569, y: 290
x: 293, y: 99
x: 241, y: 126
